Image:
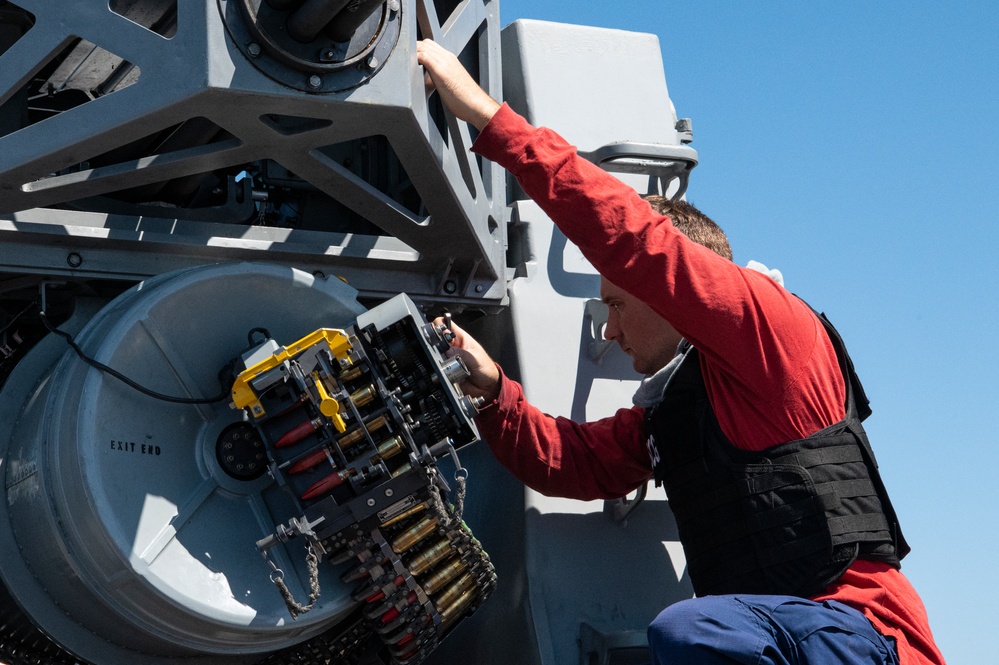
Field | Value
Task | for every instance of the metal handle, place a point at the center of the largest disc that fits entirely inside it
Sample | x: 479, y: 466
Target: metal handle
x: 659, y: 160
x: 595, y: 312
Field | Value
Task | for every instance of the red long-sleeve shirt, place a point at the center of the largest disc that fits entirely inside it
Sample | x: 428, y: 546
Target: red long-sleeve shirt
x: 770, y: 370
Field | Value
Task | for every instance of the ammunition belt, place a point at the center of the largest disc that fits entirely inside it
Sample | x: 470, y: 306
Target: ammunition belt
x: 416, y: 576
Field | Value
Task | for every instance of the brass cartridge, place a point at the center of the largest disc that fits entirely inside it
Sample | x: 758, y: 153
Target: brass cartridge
x: 364, y: 395
x: 447, y: 572
x: 456, y: 609
x: 414, y: 534
x: 453, y: 593
x: 418, y: 508
x: 389, y: 448
x: 352, y: 373
x: 430, y: 557
x: 402, y: 469
x: 355, y: 435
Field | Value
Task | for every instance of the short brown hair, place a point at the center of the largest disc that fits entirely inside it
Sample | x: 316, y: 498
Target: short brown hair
x: 692, y: 223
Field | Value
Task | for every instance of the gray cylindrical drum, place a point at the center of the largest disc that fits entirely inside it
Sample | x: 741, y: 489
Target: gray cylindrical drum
x: 122, y: 535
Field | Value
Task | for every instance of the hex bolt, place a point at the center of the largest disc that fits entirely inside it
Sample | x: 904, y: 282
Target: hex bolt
x: 74, y: 260
x: 478, y: 288
x: 315, y: 82
x: 372, y: 63
x: 393, y: 6
x: 450, y: 287
x: 253, y: 49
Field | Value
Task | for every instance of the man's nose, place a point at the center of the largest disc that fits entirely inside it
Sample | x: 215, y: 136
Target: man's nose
x: 611, y: 331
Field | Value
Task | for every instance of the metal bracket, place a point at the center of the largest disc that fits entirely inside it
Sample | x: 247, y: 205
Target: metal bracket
x: 595, y: 312
x: 619, y: 509
x: 657, y: 160
x: 612, y: 648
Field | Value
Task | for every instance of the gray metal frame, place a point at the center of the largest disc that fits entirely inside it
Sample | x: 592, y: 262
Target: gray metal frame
x: 454, y: 253
x: 545, y: 330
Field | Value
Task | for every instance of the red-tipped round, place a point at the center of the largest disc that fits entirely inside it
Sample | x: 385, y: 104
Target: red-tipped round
x: 309, y: 461
x: 298, y: 433
x: 327, y: 484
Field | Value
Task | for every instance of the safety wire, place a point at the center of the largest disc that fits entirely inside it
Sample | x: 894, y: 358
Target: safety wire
x: 277, y: 577
x: 448, y: 518
x: 121, y: 377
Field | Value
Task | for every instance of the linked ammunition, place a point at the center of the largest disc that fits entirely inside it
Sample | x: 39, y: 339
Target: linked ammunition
x: 406, y: 466
x: 352, y: 373
x: 352, y: 437
x: 389, y: 448
x: 418, y: 508
x: 452, y: 593
x: 363, y: 396
x: 371, y: 567
x: 298, y: 433
x: 460, y: 605
x: 445, y: 574
x: 327, y: 484
x: 430, y: 557
x: 414, y: 534
x: 309, y: 461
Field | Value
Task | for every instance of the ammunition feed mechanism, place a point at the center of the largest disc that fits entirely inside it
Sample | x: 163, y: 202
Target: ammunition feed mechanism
x: 352, y: 423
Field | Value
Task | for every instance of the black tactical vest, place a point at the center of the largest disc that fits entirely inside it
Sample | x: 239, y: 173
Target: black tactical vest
x: 787, y: 520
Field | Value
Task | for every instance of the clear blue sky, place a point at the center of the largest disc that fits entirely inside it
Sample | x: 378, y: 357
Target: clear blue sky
x: 854, y: 146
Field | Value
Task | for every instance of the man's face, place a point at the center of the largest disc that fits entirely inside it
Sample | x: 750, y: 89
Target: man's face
x: 641, y: 333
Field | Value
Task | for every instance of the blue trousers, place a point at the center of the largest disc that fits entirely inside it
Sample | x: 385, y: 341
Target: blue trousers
x: 765, y: 630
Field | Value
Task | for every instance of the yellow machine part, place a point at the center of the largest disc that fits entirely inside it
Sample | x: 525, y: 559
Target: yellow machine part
x: 339, y: 345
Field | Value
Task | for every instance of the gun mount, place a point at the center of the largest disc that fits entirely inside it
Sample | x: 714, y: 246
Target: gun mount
x: 176, y: 177
x: 201, y: 130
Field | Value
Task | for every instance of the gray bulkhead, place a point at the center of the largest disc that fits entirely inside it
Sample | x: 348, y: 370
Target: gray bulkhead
x: 590, y: 582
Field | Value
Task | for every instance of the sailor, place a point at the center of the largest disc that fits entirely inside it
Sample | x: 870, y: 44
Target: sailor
x: 750, y: 415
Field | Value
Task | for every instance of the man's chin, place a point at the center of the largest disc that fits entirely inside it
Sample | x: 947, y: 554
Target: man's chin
x: 636, y: 363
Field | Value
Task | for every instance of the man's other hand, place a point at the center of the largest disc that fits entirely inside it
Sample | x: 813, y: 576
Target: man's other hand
x: 458, y: 90
x: 484, y: 376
